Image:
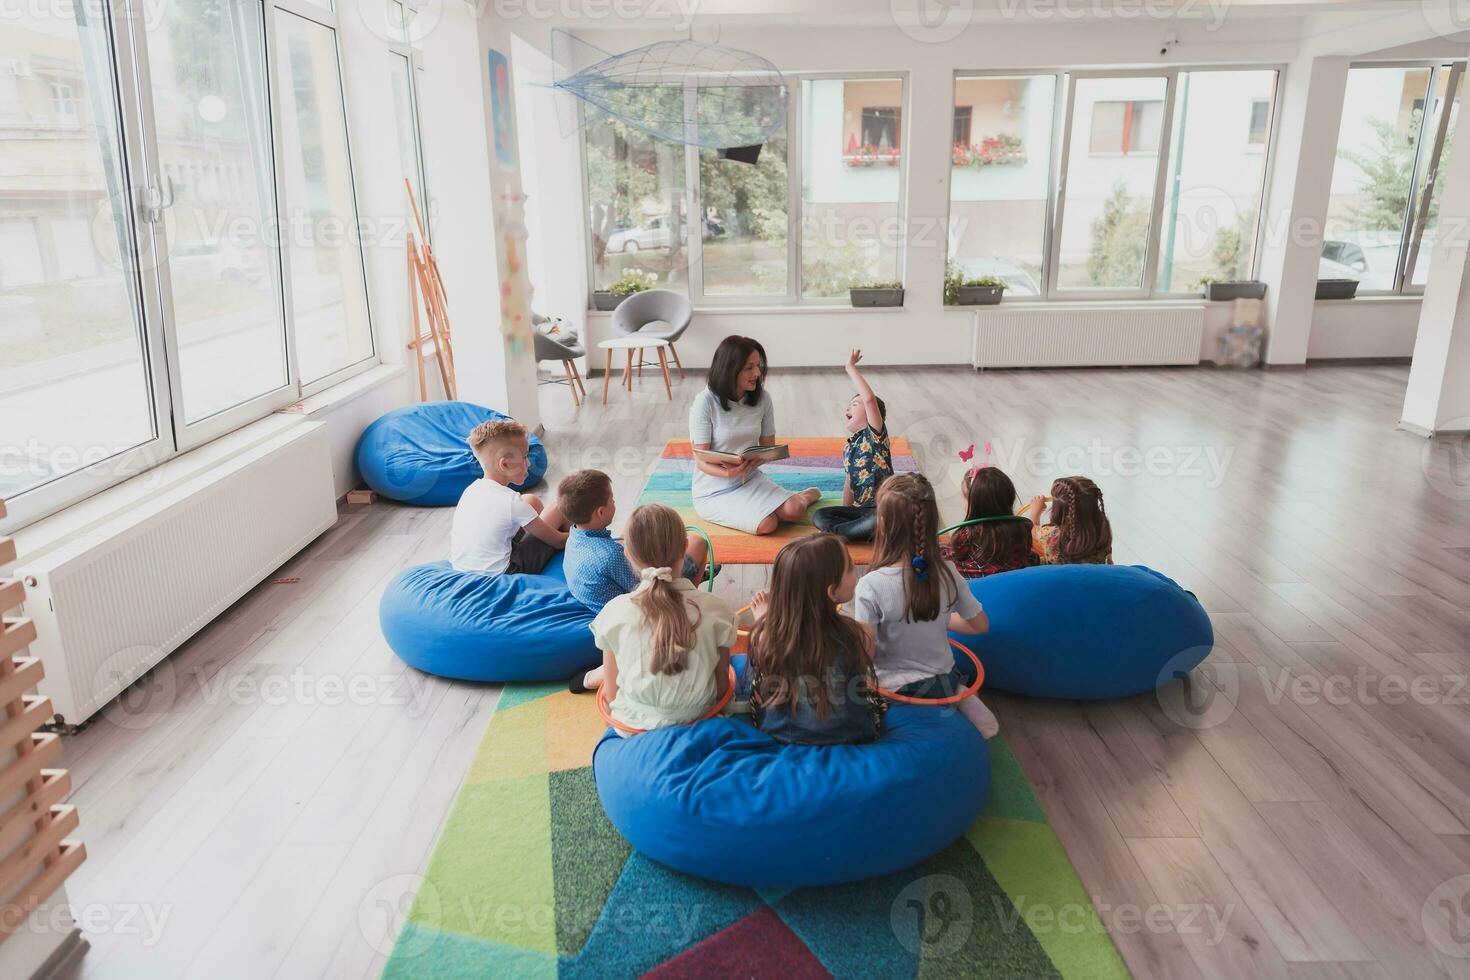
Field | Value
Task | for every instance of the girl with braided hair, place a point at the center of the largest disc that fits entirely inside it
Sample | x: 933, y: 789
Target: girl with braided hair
x: 912, y: 597
x: 1078, y: 532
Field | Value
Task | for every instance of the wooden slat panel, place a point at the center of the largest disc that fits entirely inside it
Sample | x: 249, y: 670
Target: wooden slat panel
x: 21, y: 864
x: 16, y: 635
x: 14, y: 914
x: 37, y: 710
x: 7, y: 551
x: 12, y: 594
x: 28, y: 673
x: 45, y: 749
x: 19, y: 821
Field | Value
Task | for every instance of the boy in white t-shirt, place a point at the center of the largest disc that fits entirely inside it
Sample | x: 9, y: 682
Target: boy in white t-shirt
x: 497, y: 530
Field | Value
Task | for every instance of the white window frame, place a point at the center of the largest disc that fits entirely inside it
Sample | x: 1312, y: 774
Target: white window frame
x: 150, y: 298
x: 328, y: 19
x: 1411, y: 233
x: 1060, y: 151
x: 403, y: 48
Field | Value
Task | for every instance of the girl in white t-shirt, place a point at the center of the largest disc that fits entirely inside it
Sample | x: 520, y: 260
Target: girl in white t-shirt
x: 665, y: 645
x: 911, y: 598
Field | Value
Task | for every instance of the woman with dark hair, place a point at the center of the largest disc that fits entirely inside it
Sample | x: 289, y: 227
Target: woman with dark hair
x: 732, y: 414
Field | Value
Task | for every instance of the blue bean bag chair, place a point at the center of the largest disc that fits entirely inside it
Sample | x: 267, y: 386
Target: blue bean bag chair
x: 418, y: 454
x: 1087, y: 632
x: 475, y: 627
x: 721, y: 800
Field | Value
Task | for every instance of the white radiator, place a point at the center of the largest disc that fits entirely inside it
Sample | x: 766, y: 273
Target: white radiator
x: 114, y: 602
x: 1064, y: 335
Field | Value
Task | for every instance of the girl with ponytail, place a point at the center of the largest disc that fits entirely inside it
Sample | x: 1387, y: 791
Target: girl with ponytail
x: 665, y: 646
x: 912, y: 597
x: 1078, y: 532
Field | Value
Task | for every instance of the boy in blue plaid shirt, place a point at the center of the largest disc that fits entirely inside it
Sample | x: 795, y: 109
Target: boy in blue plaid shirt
x: 596, y: 566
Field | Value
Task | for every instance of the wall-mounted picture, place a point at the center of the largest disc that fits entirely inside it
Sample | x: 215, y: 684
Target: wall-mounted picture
x: 502, y: 112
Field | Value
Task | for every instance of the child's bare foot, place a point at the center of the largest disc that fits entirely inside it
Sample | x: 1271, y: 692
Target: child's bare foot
x: 811, y: 495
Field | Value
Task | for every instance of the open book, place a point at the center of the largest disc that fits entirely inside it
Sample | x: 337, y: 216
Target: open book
x: 764, y: 454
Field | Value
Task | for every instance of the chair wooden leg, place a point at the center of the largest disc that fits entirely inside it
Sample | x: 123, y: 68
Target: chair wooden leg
x: 675, y: 351
x: 628, y: 371
x: 577, y: 377
x: 663, y: 363
x: 566, y: 367
x: 641, y: 353
x: 606, y: 375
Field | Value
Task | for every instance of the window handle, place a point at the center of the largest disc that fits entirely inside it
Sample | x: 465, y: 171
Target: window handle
x: 157, y: 197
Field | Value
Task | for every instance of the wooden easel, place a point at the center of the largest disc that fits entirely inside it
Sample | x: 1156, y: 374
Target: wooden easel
x: 424, y: 280
x: 35, y: 857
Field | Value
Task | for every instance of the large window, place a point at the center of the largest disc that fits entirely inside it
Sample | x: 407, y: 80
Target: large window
x: 1111, y: 166
x: 802, y: 222
x: 211, y: 112
x: 76, y: 377
x: 1214, y: 179
x: 744, y: 215
x: 328, y: 287
x: 153, y: 179
x: 1159, y: 182
x: 1000, y: 168
x: 851, y: 183
x: 638, y: 212
x: 1397, y: 124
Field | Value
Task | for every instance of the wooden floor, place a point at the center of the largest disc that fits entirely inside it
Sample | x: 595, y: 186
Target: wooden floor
x: 262, y: 806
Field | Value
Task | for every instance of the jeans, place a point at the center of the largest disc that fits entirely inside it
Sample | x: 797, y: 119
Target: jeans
x: 851, y: 523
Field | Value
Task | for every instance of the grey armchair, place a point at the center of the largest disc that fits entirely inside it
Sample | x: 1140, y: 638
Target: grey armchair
x: 659, y: 313
x: 551, y: 349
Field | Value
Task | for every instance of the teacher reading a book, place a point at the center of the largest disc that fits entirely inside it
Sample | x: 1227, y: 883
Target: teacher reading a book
x: 732, y: 426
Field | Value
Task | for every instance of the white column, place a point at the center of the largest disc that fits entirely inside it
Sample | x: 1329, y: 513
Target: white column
x: 1438, y: 396
x: 468, y: 192
x: 928, y: 125
x: 1310, y: 109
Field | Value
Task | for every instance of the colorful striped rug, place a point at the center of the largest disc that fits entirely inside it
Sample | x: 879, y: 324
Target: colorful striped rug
x: 529, y: 879
x: 813, y: 463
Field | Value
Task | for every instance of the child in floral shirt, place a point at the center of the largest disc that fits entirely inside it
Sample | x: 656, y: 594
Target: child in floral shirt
x: 866, y: 459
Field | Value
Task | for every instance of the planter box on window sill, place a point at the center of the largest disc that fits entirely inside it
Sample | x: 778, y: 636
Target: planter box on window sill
x: 605, y: 301
x: 1337, y: 288
x: 876, y: 297
x: 1217, y: 292
x: 979, y: 295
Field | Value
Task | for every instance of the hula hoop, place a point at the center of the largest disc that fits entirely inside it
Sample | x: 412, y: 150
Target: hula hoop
x: 1004, y: 519
x: 953, y: 698
x: 1035, y: 548
x: 606, y: 713
x: 709, y: 578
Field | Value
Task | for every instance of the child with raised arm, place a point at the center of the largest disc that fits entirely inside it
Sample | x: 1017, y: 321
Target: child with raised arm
x: 867, y: 460
x: 496, y: 530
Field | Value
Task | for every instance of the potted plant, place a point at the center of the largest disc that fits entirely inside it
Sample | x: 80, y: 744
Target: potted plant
x: 876, y: 294
x: 630, y: 282
x: 1216, y: 289
x: 962, y: 290
x: 1337, y: 288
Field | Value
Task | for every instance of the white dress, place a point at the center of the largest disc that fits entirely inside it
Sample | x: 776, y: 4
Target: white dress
x: 739, y: 502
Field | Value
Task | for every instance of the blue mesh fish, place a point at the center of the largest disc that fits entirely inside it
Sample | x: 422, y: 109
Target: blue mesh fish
x: 687, y: 92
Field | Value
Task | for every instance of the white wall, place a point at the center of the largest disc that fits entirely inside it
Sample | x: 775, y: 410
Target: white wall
x: 1369, y: 327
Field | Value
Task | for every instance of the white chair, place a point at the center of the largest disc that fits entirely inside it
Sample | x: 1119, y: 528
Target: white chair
x: 655, y: 313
